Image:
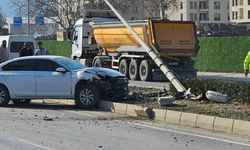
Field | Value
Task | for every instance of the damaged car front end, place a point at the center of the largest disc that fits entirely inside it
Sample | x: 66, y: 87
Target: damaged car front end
x: 112, y: 84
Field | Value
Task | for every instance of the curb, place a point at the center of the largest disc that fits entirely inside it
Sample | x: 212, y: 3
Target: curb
x: 181, y: 118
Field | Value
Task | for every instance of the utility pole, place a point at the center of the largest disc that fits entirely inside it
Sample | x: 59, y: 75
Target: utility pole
x: 28, y: 23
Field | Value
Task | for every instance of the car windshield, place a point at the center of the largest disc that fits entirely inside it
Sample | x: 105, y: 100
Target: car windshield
x: 70, y: 63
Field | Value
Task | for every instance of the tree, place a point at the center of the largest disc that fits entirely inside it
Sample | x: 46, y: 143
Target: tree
x: 2, y: 20
x: 63, y: 12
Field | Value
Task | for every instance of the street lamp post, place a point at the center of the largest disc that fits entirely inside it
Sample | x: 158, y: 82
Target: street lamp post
x: 162, y: 9
x: 28, y: 23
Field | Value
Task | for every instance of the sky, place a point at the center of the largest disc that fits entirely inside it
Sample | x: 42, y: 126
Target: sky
x: 7, y: 9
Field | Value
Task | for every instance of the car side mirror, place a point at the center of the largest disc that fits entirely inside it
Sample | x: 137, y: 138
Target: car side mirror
x: 61, y: 70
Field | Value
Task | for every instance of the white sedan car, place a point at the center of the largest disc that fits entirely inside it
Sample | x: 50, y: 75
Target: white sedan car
x: 57, y: 77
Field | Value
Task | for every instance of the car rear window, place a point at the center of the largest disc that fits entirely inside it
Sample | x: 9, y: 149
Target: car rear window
x: 16, y: 46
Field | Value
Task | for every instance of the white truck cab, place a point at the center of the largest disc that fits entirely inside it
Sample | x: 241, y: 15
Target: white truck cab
x: 15, y: 43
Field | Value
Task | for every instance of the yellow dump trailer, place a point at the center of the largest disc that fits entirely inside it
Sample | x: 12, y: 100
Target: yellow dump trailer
x: 169, y: 38
x: 110, y: 44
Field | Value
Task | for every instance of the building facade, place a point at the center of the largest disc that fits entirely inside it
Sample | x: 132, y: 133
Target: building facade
x: 201, y: 11
x: 49, y: 27
x: 240, y: 11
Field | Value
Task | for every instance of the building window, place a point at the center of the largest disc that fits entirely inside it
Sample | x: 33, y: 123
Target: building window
x: 241, y: 2
x: 217, y: 5
x: 181, y: 17
x: 241, y: 14
x: 191, y: 5
x: 181, y: 5
x: 204, y: 17
x: 195, y: 17
x: 248, y: 2
x: 217, y: 17
x: 233, y: 15
x: 195, y: 5
x: 233, y: 2
x: 236, y: 15
x: 248, y: 14
x: 191, y: 17
x: 236, y: 2
x: 203, y: 5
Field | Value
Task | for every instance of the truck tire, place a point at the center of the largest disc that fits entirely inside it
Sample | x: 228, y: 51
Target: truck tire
x: 134, y: 69
x: 4, y: 96
x: 123, y: 67
x: 145, y: 71
x: 97, y: 62
x: 87, y: 96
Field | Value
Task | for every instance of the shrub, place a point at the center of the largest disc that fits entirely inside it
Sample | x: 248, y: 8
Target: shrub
x: 237, y: 91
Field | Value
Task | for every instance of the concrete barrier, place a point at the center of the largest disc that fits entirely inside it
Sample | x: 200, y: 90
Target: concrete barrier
x: 120, y: 108
x: 160, y: 114
x: 206, y: 122
x: 223, y: 124
x: 131, y: 110
x: 241, y: 127
x: 173, y: 116
x: 188, y: 119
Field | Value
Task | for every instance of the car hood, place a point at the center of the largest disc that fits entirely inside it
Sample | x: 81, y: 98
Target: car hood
x: 103, y: 72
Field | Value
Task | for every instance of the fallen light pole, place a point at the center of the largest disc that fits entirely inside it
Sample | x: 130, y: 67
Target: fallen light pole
x: 183, y: 92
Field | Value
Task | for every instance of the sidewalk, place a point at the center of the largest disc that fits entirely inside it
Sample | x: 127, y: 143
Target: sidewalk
x: 223, y: 76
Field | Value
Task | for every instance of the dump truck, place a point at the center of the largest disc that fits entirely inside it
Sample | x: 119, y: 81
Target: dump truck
x: 106, y: 42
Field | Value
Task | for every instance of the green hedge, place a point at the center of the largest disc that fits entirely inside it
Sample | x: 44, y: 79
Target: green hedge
x: 222, y: 54
x: 62, y: 48
x: 237, y: 91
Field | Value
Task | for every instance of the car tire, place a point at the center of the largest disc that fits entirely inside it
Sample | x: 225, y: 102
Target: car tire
x: 4, y: 96
x: 21, y: 101
x: 145, y: 71
x: 87, y: 96
x: 134, y: 69
x: 123, y: 67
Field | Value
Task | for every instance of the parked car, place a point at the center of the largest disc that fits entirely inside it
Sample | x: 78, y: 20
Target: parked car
x: 57, y: 77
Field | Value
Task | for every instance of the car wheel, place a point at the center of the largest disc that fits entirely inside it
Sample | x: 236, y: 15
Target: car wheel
x: 123, y: 67
x: 21, y: 101
x: 87, y: 96
x: 4, y: 96
x: 145, y: 71
x: 134, y: 69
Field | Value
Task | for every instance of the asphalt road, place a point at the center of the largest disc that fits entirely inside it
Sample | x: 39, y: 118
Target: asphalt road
x: 64, y: 127
x: 200, y: 75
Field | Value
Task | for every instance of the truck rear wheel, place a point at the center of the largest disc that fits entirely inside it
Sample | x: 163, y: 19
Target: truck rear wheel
x: 134, y: 69
x: 123, y: 67
x: 145, y: 71
x: 97, y: 63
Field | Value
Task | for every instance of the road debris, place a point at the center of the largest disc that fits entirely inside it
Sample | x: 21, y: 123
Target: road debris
x: 47, y: 119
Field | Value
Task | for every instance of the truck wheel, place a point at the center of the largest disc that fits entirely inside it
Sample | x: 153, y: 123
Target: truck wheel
x: 123, y: 67
x: 21, y: 101
x: 4, y: 96
x: 134, y: 69
x: 87, y: 96
x: 145, y: 71
x: 97, y: 63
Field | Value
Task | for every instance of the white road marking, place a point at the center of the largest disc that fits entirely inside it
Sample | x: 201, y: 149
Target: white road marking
x: 192, y: 134
x: 82, y: 113
x: 33, y: 144
x: 14, y: 138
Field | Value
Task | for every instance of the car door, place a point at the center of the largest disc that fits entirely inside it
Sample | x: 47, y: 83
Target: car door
x: 20, y: 77
x: 49, y: 82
